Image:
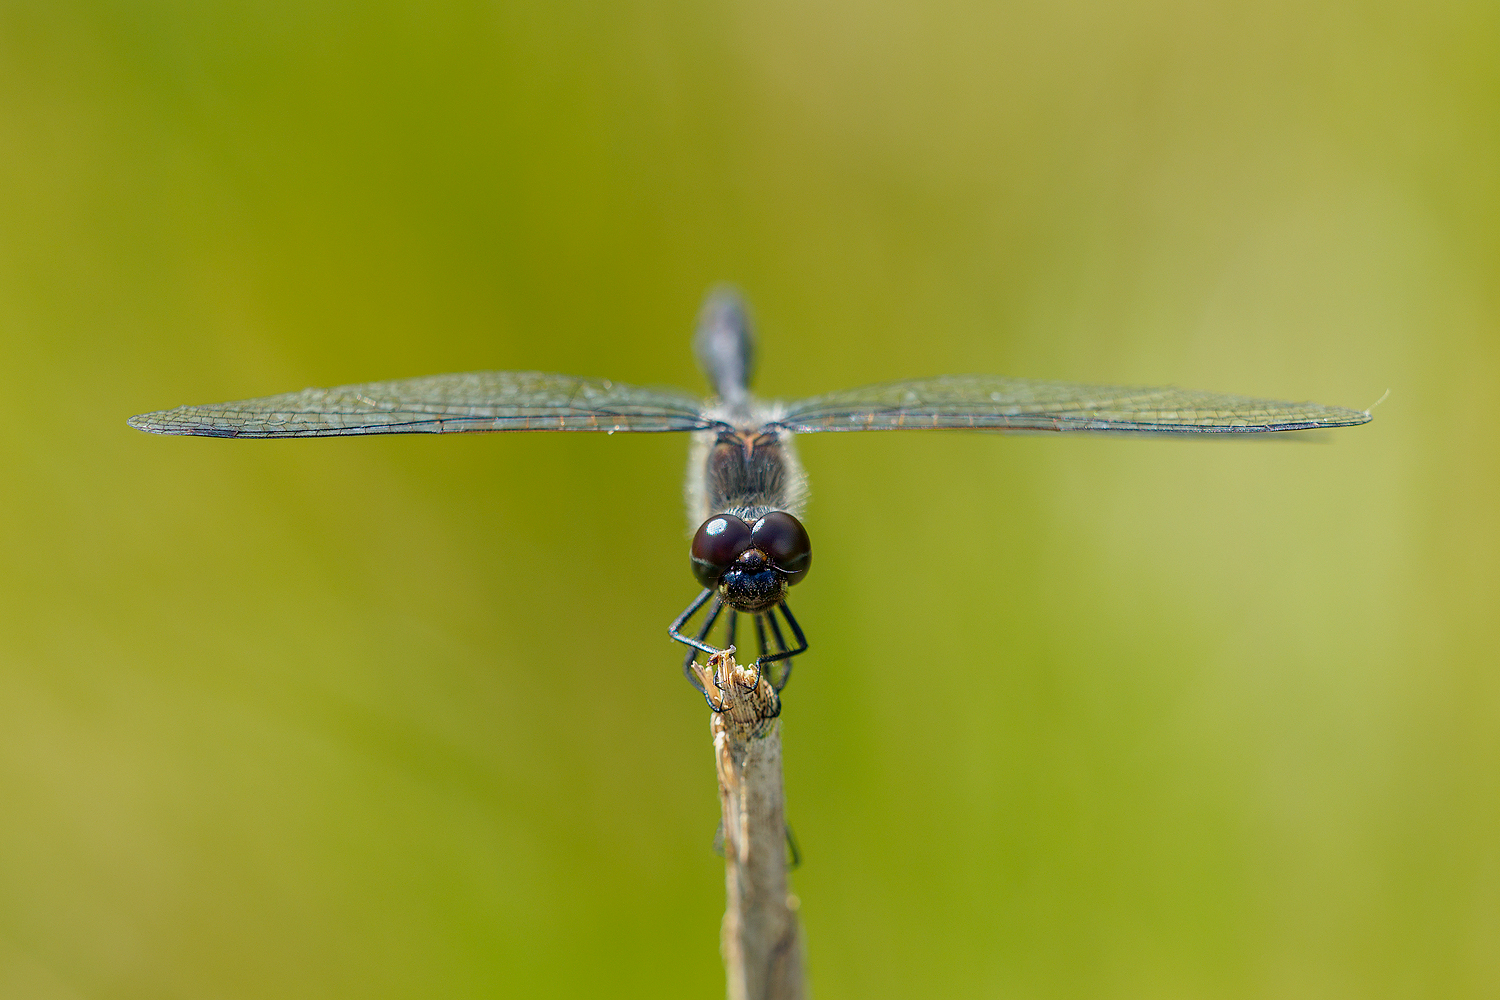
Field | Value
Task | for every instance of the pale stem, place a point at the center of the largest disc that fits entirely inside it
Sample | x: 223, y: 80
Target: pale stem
x: 761, y: 943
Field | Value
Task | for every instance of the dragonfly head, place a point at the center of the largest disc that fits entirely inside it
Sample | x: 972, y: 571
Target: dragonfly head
x: 751, y: 565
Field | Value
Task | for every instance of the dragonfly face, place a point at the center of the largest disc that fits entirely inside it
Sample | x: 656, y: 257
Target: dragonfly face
x: 750, y: 566
x: 746, y: 489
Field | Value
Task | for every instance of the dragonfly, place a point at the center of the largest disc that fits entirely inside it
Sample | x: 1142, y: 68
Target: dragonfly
x: 746, y: 489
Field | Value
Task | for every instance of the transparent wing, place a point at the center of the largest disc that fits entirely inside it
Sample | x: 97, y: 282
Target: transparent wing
x: 440, y: 404
x: 993, y: 402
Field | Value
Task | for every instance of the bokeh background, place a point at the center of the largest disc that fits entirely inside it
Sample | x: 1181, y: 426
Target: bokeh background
x: 1084, y: 717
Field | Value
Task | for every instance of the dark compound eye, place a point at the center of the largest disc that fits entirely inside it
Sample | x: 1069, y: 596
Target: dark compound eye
x: 781, y: 537
x: 718, y: 542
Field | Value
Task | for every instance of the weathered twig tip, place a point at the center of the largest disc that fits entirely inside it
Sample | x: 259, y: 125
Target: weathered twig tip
x: 744, y: 696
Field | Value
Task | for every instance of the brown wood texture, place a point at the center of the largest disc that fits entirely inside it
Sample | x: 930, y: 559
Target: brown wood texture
x: 761, y: 942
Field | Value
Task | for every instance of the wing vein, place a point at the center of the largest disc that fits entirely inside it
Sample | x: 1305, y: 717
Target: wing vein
x: 999, y: 403
x: 469, y: 402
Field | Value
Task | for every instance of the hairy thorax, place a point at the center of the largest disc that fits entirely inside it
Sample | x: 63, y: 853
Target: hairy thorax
x: 746, y: 467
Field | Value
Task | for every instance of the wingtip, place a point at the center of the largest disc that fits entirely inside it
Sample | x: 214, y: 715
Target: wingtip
x: 1344, y: 417
x: 153, y: 423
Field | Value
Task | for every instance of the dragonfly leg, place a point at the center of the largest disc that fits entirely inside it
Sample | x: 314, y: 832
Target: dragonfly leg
x: 731, y: 628
x: 730, y: 643
x: 765, y: 654
x: 783, y: 654
x: 696, y: 645
x: 675, y: 629
x: 786, y: 665
x: 760, y: 634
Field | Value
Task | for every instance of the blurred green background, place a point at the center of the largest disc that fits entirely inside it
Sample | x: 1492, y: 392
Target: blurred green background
x: 1083, y: 718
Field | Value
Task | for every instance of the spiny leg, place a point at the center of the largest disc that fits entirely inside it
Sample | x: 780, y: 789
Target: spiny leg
x: 786, y: 672
x: 675, y: 629
x: 732, y: 627
x: 760, y: 631
x: 784, y: 653
x: 760, y: 634
x: 696, y: 645
x: 692, y: 654
x: 786, y: 612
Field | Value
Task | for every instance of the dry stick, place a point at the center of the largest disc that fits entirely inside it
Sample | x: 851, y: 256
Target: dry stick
x: 761, y: 943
